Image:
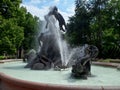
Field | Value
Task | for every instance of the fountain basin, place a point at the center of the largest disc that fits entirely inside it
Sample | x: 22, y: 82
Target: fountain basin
x: 13, y: 76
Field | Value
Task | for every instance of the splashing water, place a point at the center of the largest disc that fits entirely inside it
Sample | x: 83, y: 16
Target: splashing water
x: 58, y: 40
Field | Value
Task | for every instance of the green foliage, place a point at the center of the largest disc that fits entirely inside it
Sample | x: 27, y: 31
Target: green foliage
x: 2, y: 57
x: 9, y: 8
x: 97, y: 22
x: 78, y: 28
x: 11, y: 36
x: 30, y: 31
x: 17, y: 27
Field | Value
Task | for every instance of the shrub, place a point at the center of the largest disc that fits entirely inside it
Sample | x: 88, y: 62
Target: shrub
x: 2, y: 57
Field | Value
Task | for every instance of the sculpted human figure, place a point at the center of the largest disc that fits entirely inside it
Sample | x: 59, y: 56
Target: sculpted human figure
x: 59, y: 17
x: 49, y: 53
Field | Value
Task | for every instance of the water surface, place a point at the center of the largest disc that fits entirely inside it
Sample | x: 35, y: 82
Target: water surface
x: 102, y: 75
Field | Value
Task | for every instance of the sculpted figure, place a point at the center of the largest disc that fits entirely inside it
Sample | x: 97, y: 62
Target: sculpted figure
x: 49, y: 53
x: 82, y: 66
x: 118, y: 67
x: 29, y: 56
x: 59, y: 17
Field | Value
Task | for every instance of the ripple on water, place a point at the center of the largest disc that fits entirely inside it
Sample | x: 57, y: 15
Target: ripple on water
x: 101, y: 75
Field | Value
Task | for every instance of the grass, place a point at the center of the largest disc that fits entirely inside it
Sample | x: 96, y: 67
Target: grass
x: 7, y: 57
x: 110, y: 60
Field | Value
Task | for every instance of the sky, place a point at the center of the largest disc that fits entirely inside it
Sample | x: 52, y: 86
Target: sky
x: 40, y: 8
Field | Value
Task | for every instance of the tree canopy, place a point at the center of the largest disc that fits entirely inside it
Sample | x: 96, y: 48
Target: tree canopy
x: 17, y: 27
x: 96, y: 22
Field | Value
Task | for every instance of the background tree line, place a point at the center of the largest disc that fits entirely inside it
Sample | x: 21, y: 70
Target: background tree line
x: 17, y: 28
x: 96, y: 22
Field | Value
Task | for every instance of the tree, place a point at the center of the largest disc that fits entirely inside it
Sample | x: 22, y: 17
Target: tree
x: 17, y: 27
x: 78, y: 26
x: 30, y: 31
x: 11, y: 33
x: 11, y: 36
x: 111, y: 37
x: 9, y: 8
x: 99, y: 22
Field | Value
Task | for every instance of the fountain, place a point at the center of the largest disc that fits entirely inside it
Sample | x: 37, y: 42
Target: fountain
x: 56, y: 65
x: 54, y: 52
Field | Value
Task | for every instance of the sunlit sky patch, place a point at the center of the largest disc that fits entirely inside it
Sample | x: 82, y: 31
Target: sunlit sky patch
x: 40, y: 7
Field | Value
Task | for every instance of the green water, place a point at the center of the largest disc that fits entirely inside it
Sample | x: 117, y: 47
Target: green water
x: 102, y: 75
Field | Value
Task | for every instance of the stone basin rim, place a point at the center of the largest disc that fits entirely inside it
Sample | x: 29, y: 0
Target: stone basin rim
x: 30, y: 85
